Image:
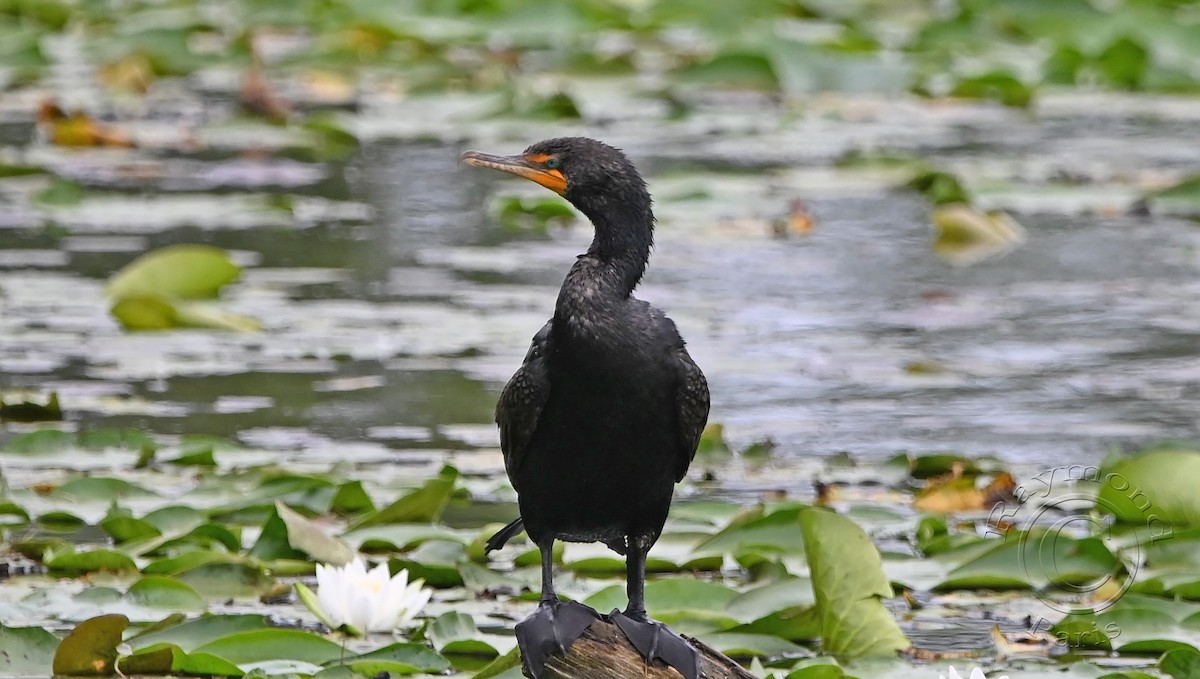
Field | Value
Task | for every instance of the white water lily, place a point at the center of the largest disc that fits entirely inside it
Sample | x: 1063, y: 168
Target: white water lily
x: 364, y: 601
x: 976, y: 673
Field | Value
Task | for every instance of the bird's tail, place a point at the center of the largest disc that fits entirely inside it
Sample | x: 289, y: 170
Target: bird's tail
x: 504, y: 535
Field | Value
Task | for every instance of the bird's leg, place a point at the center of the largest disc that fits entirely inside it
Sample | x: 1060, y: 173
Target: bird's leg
x: 555, y: 625
x: 654, y: 640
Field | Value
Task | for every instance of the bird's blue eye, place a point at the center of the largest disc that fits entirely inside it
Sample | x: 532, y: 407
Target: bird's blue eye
x: 552, y: 163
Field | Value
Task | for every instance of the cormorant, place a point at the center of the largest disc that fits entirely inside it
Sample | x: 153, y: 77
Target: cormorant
x: 604, y: 415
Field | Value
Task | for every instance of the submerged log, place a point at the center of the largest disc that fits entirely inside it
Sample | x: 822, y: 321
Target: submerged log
x: 604, y: 653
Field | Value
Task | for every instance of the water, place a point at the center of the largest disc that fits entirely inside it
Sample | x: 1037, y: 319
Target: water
x: 395, y: 306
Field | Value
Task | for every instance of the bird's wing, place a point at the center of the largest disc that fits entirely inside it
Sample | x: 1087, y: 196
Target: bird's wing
x: 521, y: 403
x: 691, y: 406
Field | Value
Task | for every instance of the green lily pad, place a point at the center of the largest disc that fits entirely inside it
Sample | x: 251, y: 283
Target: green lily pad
x: 435, y: 561
x: 422, y: 658
x: 1181, y: 663
x: 848, y: 585
x: 193, y: 634
x: 423, y: 505
x: 178, y: 271
x: 70, y: 562
x: 100, y: 489
x: 41, y: 441
x: 26, y: 651
x: 742, y: 645
x: 158, y: 591
x: 272, y: 644
x: 454, y: 633
x: 674, y: 600
x: 309, y: 538
x: 1153, y: 488
x: 1036, y: 558
x: 774, y: 533
x: 166, y: 658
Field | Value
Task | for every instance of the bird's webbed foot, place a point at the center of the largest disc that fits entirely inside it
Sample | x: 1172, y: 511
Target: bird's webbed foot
x: 552, y: 628
x: 656, y: 641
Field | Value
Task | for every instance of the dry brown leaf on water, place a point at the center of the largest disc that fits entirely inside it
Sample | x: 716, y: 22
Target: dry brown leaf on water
x: 797, y: 222
x: 930, y: 655
x: 1033, y: 643
x: 329, y: 88
x: 259, y: 98
x: 964, y: 235
x: 78, y: 129
x: 826, y: 493
x: 957, y: 493
x: 132, y: 73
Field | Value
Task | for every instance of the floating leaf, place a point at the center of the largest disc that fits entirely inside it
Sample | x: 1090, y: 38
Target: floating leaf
x: 40, y: 441
x: 157, y: 591
x: 435, y: 561
x: 177, y: 271
x: 421, y: 658
x: 91, y: 648
x: 454, y: 633
x: 998, y: 86
x: 195, y: 633
x: 151, y: 312
x: 307, y: 537
x: 519, y: 213
x: 423, y: 505
x: 1035, y: 558
x: 774, y: 533
x: 1181, y: 663
x: 947, y: 495
x: 941, y: 188
x: 70, y: 562
x: 170, y: 659
x: 963, y: 235
x: 27, y: 411
x: 273, y: 644
x: 60, y: 192
x: 100, y: 489
x: 1153, y: 488
x: 674, y: 599
x: 848, y: 585
x: 26, y: 651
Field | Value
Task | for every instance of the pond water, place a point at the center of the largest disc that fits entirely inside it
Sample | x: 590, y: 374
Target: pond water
x: 396, y: 307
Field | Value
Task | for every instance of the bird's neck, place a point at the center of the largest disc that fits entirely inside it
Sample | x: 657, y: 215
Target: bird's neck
x: 622, y: 243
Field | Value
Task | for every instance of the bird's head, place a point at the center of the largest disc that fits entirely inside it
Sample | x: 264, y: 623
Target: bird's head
x: 593, y: 176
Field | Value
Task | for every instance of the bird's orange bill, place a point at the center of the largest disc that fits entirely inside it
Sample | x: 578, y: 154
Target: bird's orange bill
x: 529, y: 167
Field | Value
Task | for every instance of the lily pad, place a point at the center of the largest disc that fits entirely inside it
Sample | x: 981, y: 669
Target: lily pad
x: 848, y: 584
x: 91, y: 648
x: 170, y: 659
x: 1153, y: 488
x: 26, y: 650
x: 195, y: 633
x: 272, y: 644
x: 423, y: 505
x: 178, y: 271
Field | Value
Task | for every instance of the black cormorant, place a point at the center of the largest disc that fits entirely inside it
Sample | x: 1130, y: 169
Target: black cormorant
x: 604, y: 415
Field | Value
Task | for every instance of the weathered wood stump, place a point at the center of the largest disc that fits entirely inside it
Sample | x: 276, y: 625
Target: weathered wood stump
x: 604, y: 653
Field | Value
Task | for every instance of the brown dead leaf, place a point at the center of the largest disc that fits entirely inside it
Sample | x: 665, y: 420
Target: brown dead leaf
x: 797, y: 222
x: 78, y: 129
x: 132, y: 73
x: 930, y: 655
x: 956, y: 493
x: 1033, y: 643
x: 327, y: 87
x: 826, y: 493
x: 258, y: 98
